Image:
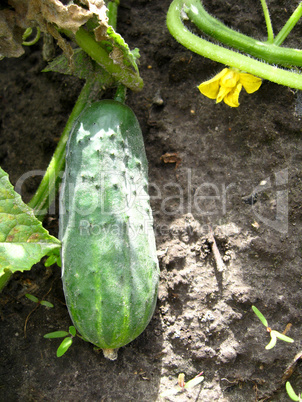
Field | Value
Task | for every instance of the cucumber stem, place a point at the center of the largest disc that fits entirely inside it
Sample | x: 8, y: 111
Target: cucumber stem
x: 123, y: 74
x: 48, y: 187
x: 120, y: 94
x: 121, y: 91
x: 112, y: 12
x: 268, y: 52
x: 291, y: 22
x: 270, y: 34
x: 110, y: 354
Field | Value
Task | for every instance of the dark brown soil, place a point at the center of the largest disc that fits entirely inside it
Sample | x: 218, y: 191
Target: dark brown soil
x: 203, y: 321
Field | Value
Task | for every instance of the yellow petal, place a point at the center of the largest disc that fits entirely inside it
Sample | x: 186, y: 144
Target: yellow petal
x: 230, y: 79
x: 250, y: 82
x: 232, y: 98
x: 218, y: 76
x: 210, y: 88
x: 223, y: 91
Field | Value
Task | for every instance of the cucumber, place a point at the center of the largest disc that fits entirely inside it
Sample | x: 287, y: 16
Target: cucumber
x: 109, y: 264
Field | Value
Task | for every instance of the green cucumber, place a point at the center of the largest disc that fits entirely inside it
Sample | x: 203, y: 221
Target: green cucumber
x: 109, y: 264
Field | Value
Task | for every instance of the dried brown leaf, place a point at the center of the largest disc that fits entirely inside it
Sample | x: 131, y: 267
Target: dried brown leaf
x: 69, y: 17
x: 47, y: 14
x: 98, y: 8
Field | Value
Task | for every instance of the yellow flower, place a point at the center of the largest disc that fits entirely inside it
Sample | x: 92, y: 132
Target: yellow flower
x: 227, y: 86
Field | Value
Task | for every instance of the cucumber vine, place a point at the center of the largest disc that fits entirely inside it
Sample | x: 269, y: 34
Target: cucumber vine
x: 264, y: 59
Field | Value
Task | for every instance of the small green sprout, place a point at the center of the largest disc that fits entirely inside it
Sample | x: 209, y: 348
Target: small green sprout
x: 38, y: 304
x: 67, y: 341
x: 53, y: 258
x: 36, y: 300
x: 182, y: 385
x: 291, y: 393
x: 273, y: 333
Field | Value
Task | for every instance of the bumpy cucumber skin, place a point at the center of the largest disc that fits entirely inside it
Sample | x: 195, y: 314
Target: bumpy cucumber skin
x: 109, y: 265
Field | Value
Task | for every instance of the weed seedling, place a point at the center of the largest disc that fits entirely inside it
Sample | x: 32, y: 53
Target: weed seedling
x: 67, y: 341
x: 182, y: 385
x: 273, y: 333
x: 39, y: 302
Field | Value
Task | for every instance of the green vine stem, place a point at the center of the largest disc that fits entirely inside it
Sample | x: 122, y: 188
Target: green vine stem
x: 112, y: 12
x: 226, y: 56
x: 268, y: 52
x: 48, y: 187
x: 120, y: 94
x: 291, y: 22
x: 270, y: 33
x: 123, y: 74
x: 121, y: 90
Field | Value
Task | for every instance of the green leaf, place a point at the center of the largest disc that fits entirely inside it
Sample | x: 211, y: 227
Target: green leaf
x: 46, y: 303
x: 260, y: 316
x: 32, y: 298
x: 272, y: 342
x: 56, y: 334
x: 23, y: 240
x: 283, y: 337
x: 72, y: 331
x: 195, y: 381
x: 83, y: 67
x: 65, y: 345
x: 50, y: 260
x: 4, y: 279
x: 53, y: 258
x: 291, y: 393
x: 127, y: 57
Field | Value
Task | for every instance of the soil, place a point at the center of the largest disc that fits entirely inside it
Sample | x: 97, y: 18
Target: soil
x: 203, y: 320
